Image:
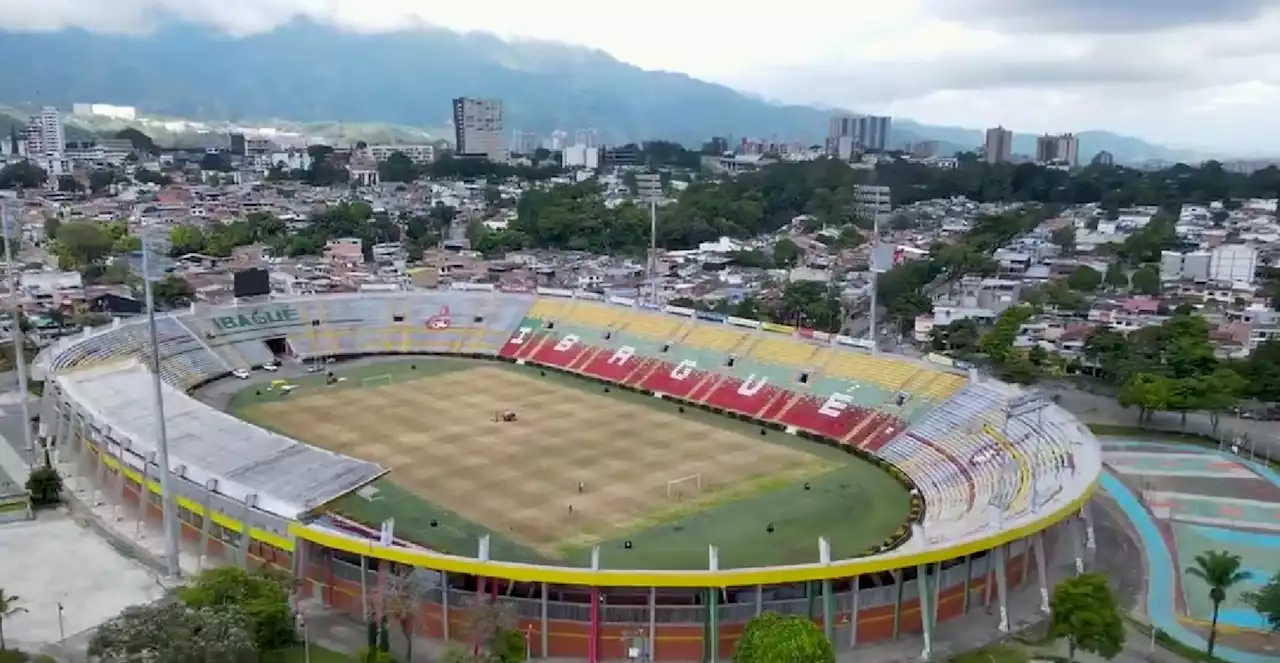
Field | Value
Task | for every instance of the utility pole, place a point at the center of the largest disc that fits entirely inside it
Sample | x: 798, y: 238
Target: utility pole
x: 152, y: 272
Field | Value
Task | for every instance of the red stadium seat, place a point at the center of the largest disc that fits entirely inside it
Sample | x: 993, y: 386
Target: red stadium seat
x: 680, y: 380
x: 750, y: 396
x: 833, y: 416
x: 613, y: 364
x: 562, y: 352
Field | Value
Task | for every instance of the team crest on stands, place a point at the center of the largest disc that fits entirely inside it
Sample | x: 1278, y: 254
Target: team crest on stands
x: 441, y: 320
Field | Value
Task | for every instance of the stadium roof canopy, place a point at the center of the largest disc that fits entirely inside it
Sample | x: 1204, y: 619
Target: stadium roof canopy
x: 289, y: 478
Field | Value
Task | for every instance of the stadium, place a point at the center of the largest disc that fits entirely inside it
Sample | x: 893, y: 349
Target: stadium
x: 633, y: 482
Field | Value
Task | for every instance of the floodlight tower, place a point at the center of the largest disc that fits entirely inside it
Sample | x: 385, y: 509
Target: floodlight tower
x: 18, y: 336
x: 152, y: 271
x: 649, y: 190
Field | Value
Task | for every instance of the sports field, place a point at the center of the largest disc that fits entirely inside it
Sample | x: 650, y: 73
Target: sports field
x: 632, y: 467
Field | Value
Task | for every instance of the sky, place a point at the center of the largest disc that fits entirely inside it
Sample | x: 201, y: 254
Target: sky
x: 1185, y: 73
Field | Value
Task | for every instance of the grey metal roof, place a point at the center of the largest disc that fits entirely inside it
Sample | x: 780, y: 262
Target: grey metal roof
x: 288, y: 477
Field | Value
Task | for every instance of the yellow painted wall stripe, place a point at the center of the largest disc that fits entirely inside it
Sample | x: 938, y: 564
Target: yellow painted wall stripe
x: 777, y: 575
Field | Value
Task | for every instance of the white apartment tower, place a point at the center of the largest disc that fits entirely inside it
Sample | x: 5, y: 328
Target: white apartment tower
x: 46, y: 142
x: 477, y: 126
x: 998, y: 146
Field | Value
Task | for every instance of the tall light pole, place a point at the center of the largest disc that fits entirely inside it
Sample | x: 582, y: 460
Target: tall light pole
x: 876, y: 268
x: 19, y: 337
x: 152, y: 272
x: 649, y: 190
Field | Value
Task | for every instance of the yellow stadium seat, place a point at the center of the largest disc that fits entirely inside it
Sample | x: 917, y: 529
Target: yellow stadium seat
x: 547, y: 308
x: 592, y: 314
x: 783, y: 351
x: 650, y: 325
x: 714, y: 337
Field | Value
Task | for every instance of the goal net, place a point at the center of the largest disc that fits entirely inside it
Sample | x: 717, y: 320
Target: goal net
x: 684, y: 486
x: 376, y: 380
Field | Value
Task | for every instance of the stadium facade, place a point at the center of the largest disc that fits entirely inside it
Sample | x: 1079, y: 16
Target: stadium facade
x: 1002, y: 477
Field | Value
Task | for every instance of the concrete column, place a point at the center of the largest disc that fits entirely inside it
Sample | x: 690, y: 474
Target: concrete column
x: 653, y: 624
x: 897, y: 601
x: 828, y: 612
x: 543, y: 622
x: 922, y: 584
x: 364, y: 589
x: 1087, y: 513
x: 1077, y: 532
x: 144, y: 495
x: 937, y: 590
x: 1002, y: 581
x: 444, y: 607
x: 1042, y: 573
x: 853, y: 616
x: 207, y: 520
x: 968, y: 580
x: 713, y: 625
x: 989, y: 587
x: 759, y: 599
x: 1026, y: 559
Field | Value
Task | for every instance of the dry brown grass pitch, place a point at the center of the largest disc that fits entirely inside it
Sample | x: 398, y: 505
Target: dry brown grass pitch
x: 438, y: 438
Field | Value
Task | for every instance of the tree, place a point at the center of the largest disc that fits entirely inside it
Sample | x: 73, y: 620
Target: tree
x: 1149, y: 393
x: 773, y: 638
x: 22, y: 174
x: 144, y: 176
x: 1084, y: 279
x: 44, y: 485
x: 958, y: 338
x: 81, y: 243
x: 1084, y: 612
x: 398, y: 168
x: 1117, y: 277
x: 1218, y: 393
x: 186, y: 239
x: 402, y: 602
x: 1221, y: 571
x: 69, y: 184
x: 1267, y: 602
x: 9, y: 607
x: 174, y: 633
x: 102, y: 179
x: 1065, y: 239
x: 786, y: 253
x: 1146, y: 280
x: 997, y: 344
x: 261, y: 596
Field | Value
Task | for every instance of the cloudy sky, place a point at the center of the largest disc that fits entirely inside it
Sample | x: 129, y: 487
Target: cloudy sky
x: 1197, y: 73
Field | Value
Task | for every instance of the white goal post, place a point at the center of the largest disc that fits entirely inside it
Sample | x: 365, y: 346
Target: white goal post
x: 377, y: 380
x: 677, y: 488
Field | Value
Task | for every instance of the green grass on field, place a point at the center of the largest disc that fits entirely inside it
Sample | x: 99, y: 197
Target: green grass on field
x: 855, y: 505
x: 318, y: 654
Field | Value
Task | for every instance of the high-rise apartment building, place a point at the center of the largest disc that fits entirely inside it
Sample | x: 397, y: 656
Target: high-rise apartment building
x: 1064, y: 149
x: 588, y: 138
x: 46, y: 142
x: 998, y: 147
x: 865, y: 132
x: 477, y: 127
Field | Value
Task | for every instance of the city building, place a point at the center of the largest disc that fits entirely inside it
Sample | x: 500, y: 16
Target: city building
x: 998, y: 147
x: 925, y: 149
x: 98, y: 153
x: 1233, y: 263
x: 477, y: 125
x: 586, y: 138
x: 419, y: 154
x: 1063, y: 149
x: 46, y: 142
x: 581, y: 156
x: 865, y: 132
x: 126, y: 113
x: 1189, y: 266
x: 525, y: 142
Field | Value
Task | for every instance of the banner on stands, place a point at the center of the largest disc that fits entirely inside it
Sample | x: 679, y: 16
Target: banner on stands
x: 743, y: 322
x: 591, y: 296
x: 555, y: 292
x: 515, y: 289
x: 855, y: 342
x: 622, y: 301
x: 708, y: 315
x: 773, y: 327
x: 679, y: 310
x: 473, y: 287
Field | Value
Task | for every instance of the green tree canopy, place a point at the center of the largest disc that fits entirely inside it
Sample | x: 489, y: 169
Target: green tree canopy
x: 261, y: 596
x: 786, y: 253
x: 1084, y: 279
x: 81, y: 243
x: 1083, y: 611
x: 1065, y: 239
x: 1146, y: 280
x: 1267, y: 602
x: 22, y: 174
x: 773, y: 638
x: 1117, y: 277
x: 175, y: 633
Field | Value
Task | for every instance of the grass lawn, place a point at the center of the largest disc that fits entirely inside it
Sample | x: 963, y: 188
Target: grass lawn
x: 318, y: 655
x: 456, y: 474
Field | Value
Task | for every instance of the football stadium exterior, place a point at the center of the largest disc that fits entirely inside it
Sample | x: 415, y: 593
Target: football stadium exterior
x: 1000, y: 477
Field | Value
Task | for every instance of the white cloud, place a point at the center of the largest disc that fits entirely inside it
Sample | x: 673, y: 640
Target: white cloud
x: 1166, y: 70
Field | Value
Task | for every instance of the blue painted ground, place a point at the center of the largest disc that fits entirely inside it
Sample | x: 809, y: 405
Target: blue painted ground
x: 1163, y: 573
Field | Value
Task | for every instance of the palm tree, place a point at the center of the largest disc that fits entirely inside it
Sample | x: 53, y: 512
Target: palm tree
x: 1221, y: 571
x: 8, y: 608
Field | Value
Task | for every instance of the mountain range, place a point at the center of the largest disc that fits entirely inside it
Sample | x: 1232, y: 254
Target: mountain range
x: 308, y: 71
